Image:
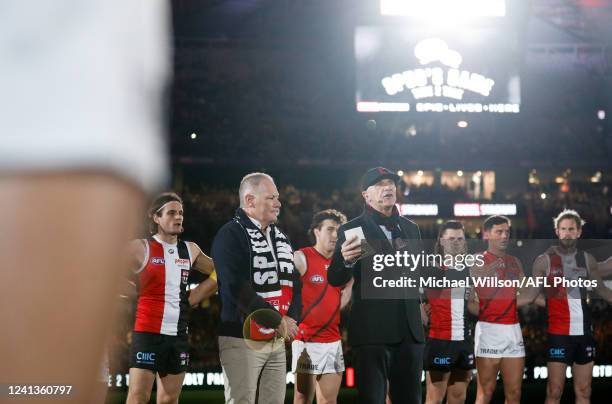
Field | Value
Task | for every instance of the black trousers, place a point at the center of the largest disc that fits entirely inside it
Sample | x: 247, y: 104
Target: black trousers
x: 400, y: 364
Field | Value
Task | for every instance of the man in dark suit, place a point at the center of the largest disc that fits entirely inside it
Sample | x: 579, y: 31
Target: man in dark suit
x: 385, y: 330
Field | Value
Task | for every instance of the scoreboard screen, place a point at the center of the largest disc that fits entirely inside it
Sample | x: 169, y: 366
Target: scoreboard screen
x: 403, y: 68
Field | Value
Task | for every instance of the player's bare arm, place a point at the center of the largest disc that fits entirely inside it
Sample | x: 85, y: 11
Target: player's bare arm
x: 299, y: 260
x: 473, y: 304
x: 529, y: 294
x: 605, y: 268
x: 347, y: 293
x: 137, y: 252
x: 593, y: 270
x: 203, y: 291
x: 201, y: 262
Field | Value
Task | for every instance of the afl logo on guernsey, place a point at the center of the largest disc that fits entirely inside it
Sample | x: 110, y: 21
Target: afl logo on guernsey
x: 317, y: 279
x: 157, y: 261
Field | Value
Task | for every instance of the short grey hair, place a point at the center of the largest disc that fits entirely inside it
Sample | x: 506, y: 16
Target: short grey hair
x: 249, y: 183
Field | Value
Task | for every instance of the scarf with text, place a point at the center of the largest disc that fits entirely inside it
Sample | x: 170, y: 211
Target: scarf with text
x: 271, y: 279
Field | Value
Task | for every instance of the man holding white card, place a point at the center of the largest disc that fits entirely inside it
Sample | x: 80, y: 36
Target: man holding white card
x: 385, y: 327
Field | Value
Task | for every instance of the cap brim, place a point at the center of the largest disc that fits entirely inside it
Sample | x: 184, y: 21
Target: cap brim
x: 390, y: 176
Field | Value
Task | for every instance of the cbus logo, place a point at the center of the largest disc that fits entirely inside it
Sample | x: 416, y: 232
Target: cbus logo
x: 317, y: 279
x: 442, y: 361
x: 557, y: 353
x: 145, y: 357
x: 157, y: 261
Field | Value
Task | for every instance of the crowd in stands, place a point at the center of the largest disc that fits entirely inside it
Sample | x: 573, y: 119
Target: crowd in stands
x: 255, y: 104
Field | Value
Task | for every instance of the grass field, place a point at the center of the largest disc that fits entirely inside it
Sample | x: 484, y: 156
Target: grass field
x: 532, y: 393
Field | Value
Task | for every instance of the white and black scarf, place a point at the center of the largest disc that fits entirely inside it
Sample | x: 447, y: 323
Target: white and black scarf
x: 271, y: 279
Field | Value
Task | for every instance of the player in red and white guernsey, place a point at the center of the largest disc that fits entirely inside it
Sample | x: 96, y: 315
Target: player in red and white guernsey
x: 449, y: 351
x: 159, y: 341
x: 499, y: 343
x: 570, y: 331
x: 317, y: 356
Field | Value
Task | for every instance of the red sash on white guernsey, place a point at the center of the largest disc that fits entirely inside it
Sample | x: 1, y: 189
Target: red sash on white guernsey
x: 162, y: 291
x: 568, y: 313
x: 448, y: 313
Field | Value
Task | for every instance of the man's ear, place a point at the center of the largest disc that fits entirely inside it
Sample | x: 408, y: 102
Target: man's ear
x: 248, y: 199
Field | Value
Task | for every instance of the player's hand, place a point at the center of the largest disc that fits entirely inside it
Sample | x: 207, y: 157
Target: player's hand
x: 287, y: 328
x: 351, y: 249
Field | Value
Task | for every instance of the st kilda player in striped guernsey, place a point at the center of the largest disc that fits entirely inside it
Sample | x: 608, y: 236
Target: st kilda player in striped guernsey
x: 317, y: 350
x: 449, y: 350
x: 162, y: 264
x: 570, y: 328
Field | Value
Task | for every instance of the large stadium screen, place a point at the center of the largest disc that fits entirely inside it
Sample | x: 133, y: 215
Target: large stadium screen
x: 404, y: 68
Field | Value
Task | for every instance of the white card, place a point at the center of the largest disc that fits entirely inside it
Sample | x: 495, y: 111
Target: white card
x: 356, y: 231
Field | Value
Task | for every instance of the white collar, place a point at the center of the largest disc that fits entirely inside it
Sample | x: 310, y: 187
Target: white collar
x: 160, y: 241
x: 258, y: 224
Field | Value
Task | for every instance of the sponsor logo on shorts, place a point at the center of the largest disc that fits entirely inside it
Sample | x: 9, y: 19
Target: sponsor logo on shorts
x: 590, y: 351
x: 157, y: 261
x: 317, y: 279
x: 146, y: 358
x: 184, y: 356
x: 471, y: 359
x: 308, y: 366
x: 556, y: 353
x: 446, y: 360
x: 488, y: 351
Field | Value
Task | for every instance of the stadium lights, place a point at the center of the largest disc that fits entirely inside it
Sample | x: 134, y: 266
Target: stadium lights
x: 601, y: 114
x: 462, y: 124
x: 436, y: 9
x: 419, y: 209
x: 484, y: 209
x: 400, y: 173
x: 194, y: 136
x: 460, y: 173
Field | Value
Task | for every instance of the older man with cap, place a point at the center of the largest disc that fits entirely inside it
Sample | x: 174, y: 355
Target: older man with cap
x: 385, y: 331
